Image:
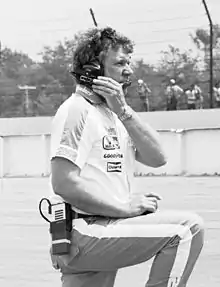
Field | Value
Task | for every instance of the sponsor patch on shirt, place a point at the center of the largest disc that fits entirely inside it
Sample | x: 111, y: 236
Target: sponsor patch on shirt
x: 114, y: 167
x: 110, y: 142
x: 113, y: 155
x: 111, y: 131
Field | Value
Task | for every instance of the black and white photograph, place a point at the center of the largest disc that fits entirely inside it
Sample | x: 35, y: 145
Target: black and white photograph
x: 110, y: 143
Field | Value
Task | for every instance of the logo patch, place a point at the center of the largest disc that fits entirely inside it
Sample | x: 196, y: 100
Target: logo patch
x: 114, y: 167
x: 110, y: 142
x: 111, y: 131
x: 113, y: 155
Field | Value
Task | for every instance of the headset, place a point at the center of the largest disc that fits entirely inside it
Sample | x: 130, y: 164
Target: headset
x: 92, y: 70
x: 88, y: 73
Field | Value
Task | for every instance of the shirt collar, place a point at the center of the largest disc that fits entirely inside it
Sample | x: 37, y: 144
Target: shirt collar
x: 87, y: 93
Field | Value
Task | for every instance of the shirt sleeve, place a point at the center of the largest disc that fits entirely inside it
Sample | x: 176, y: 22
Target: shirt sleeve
x: 74, y: 138
x: 179, y: 89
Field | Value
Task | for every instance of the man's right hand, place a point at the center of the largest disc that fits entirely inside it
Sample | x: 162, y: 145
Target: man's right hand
x: 142, y: 203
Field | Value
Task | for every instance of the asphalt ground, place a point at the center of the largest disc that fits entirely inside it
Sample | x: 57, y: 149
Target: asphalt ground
x: 24, y: 238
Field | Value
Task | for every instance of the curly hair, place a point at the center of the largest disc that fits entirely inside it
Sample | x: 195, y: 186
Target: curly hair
x: 94, y: 44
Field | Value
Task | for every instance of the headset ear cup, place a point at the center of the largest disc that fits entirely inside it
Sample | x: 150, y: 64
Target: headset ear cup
x: 101, y: 59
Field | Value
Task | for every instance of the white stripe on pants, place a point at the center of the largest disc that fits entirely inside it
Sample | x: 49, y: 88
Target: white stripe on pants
x: 102, y: 247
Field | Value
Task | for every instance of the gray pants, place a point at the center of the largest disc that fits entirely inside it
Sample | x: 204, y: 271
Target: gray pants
x: 100, y: 247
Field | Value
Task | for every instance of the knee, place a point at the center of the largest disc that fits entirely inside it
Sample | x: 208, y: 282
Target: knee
x: 195, y: 222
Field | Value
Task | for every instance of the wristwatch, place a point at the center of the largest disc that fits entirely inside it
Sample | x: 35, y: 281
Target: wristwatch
x: 125, y: 114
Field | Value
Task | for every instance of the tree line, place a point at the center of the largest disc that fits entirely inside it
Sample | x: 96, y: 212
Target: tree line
x: 50, y: 81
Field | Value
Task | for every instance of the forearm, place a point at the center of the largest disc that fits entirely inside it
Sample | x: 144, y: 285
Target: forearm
x: 146, y: 140
x: 79, y: 195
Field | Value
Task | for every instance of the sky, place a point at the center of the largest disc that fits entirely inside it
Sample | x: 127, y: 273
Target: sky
x: 29, y: 25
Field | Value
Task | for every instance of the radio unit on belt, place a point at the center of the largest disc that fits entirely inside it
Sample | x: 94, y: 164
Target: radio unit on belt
x: 60, y: 225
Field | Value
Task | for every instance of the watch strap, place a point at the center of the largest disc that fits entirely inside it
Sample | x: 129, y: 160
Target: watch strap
x: 125, y: 114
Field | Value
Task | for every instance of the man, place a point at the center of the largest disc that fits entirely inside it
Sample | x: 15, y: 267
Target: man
x: 190, y: 98
x: 95, y: 141
x: 173, y: 92
x: 199, y: 97
x: 144, y: 92
x: 194, y: 97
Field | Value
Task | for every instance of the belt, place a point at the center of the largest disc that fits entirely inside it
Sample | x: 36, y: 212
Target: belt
x: 81, y: 215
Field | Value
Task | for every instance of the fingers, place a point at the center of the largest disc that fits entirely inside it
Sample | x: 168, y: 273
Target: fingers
x: 104, y: 88
x: 154, y: 202
x: 151, y: 208
x: 101, y: 89
x: 107, y: 82
x: 106, y: 79
x: 153, y: 194
x: 151, y: 204
x: 106, y: 92
x: 100, y: 83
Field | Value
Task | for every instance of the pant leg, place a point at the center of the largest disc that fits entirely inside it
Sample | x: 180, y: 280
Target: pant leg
x: 175, y: 258
x: 178, y: 260
x: 174, y: 238
x: 89, y: 279
x: 146, y: 105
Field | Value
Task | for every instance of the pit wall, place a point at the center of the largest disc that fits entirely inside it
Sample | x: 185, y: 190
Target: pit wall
x: 189, y: 152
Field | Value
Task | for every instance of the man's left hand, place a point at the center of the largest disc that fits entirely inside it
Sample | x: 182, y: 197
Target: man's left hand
x: 112, y: 91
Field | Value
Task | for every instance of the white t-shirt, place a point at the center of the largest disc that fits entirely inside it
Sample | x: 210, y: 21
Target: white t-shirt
x: 191, y: 97
x: 88, y: 134
x: 173, y: 91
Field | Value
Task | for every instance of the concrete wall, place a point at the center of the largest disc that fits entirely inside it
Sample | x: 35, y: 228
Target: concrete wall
x: 191, y: 140
x: 25, y: 155
x: 189, y: 152
x: 160, y: 120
